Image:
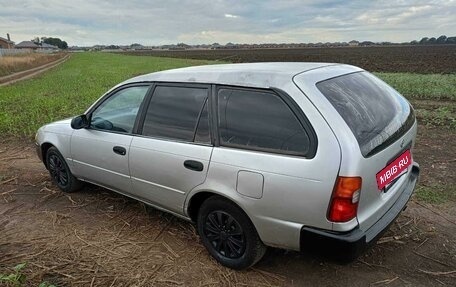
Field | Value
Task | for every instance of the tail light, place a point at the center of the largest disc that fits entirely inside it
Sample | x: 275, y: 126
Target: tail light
x: 345, y: 198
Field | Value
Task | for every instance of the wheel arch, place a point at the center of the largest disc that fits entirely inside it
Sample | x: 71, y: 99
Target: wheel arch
x: 253, y: 247
x: 198, y: 198
x: 60, y: 141
x: 44, y: 149
x: 195, y: 202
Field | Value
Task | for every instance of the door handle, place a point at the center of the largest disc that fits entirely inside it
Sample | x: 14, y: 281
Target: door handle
x: 194, y: 165
x: 119, y: 150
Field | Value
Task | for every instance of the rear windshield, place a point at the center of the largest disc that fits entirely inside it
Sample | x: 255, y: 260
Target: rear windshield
x: 376, y: 113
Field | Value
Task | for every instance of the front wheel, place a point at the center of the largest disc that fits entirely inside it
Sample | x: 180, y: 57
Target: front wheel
x: 60, y: 172
x: 228, y: 234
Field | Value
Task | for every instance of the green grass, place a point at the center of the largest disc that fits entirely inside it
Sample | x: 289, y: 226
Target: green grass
x: 419, y: 86
x: 444, y: 116
x: 436, y: 194
x: 17, y: 278
x: 70, y: 88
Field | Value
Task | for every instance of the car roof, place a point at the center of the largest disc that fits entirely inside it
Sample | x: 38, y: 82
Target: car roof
x: 261, y: 75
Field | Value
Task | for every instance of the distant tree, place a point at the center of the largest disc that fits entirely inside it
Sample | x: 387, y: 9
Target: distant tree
x: 36, y: 40
x: 55, y: 42
x: 181, y: 45
x: 424, y: 40
x: 414, y: 42
x: 451, y: 40
x: 442, y: 39
x: 432, y: 40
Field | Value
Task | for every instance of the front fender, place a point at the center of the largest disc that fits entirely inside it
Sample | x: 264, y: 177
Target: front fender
x: 57, y: 135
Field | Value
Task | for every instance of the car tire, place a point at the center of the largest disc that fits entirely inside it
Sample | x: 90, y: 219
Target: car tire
x: 228, y: 234
x: 60, y: 172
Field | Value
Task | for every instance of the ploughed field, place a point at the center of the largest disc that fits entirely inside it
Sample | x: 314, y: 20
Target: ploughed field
x: 96, y: 237
x: 412, y: 59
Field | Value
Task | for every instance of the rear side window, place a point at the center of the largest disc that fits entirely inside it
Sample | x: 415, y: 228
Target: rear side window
x: 173, y: 112
x: 259, y: 120
x: 375, y: 112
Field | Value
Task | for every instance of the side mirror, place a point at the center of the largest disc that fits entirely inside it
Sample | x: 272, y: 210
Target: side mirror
x: 80, y: 122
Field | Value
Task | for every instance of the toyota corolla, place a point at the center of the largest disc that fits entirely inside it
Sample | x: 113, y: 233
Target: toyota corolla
x: 256, y: 155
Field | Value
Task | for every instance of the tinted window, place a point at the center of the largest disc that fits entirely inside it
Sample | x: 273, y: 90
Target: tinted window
x: 374, y: 111
x: 259, y: 120
x: 118, y: 112
x: 173, y: 112
x: 202, y: 131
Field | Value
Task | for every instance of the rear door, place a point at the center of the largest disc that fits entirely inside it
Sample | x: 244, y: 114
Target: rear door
x: 268, y: 155
x: 100, y: 153
x: 171, y: 154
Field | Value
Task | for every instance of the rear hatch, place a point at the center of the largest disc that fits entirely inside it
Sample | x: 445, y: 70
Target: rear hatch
x: 383, y: 123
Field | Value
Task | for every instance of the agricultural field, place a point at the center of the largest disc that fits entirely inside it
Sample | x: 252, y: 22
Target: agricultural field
x: 98, y: 238
x: 439, y: 59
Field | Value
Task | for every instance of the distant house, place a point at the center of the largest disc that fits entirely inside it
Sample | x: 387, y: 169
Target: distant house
x: 367, y: 43
x: 6, y: 43
x: 216, y: 46
x: 353, y: 43
x: 49, y: 47
x: 136, y: 46
x: 27, y: 45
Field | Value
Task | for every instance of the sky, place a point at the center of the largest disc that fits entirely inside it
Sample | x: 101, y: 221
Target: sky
x: 123, y: 22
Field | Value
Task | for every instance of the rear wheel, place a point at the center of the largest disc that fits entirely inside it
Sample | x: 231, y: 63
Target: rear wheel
x: 60, y: 172
x: 228, y: 234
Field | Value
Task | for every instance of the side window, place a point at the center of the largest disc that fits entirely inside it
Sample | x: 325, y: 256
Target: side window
x: 118, y: 112
x: 259, y: 120
x: 173, y: 112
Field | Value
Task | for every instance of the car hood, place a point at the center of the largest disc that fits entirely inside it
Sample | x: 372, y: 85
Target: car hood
x: 61, y: 127
x: 66, y: 121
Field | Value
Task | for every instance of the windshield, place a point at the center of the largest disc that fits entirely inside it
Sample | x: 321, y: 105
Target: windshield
x: 376, y: 113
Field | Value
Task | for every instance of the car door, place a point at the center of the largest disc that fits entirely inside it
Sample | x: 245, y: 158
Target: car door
x: 171, y: 154
x: 100, y: 152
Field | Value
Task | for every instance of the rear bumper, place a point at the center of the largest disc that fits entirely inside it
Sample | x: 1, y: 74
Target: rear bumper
x: 356, y: 241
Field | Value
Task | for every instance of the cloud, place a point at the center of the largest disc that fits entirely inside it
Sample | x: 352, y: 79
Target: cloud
x: 231, y: 16
x: 84, y: 22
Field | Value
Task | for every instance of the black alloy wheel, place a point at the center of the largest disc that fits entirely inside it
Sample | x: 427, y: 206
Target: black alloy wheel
x: 225, y: 234
x: 58, y: 171
x: 228, y: 233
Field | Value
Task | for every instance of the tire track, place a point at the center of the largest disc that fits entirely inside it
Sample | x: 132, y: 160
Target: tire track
x: 27, y: 74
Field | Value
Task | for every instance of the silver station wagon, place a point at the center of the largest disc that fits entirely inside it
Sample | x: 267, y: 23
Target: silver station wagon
x: 264, y: 154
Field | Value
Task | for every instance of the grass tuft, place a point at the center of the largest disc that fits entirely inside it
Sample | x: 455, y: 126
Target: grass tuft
x: 436, y: 194
x: 442, y: 116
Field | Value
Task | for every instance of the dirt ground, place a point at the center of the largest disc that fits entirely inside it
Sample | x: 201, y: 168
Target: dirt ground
x: 98, y: 238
